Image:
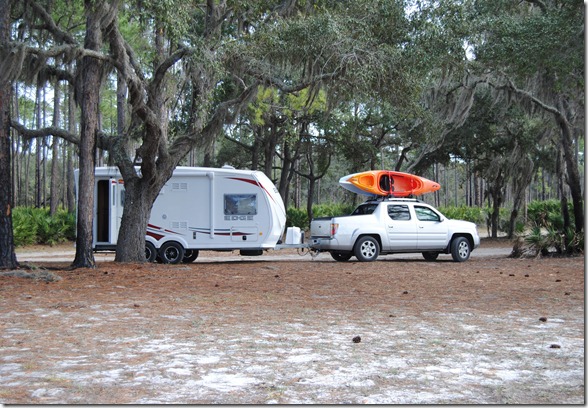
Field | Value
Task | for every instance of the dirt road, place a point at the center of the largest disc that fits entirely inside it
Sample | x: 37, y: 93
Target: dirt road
x: 492, y: 330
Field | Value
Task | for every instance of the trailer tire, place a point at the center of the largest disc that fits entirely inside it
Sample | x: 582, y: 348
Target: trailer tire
x: 190, y: 255
x: 171, y: 252
x: 150, y: 252
x: 367, y: 249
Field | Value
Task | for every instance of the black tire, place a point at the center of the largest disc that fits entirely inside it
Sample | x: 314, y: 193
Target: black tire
x: 190, y: 255
x: 171, y: 252
x: 341, y: 256
x: 366, y: 249
x: 430, y: 256
x: 150, y: 252
x: 460, y: 249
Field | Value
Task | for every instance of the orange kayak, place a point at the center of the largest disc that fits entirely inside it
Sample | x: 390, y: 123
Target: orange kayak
x: 388, y: 183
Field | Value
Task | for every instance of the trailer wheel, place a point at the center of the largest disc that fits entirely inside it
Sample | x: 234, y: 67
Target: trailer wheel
x: 190, y: 255
x: 341, y: 256
x: 150, y: 252
x: 171, y: 252
x: 367, y: 249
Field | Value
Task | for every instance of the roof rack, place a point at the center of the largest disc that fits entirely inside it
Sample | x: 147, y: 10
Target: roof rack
x: 392, y: 198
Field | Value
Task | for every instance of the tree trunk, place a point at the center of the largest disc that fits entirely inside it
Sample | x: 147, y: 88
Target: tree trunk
x: 121, y: 94
x: 71, y: 120
x: 7, y: 254
x: 495, y: 190
x: 310, y: 199
x: 572, y: 173
x: 89, y: 101
x: 270, y: 144
x: 38, y: 147
x: 130, y: 245
x: 54, y: 186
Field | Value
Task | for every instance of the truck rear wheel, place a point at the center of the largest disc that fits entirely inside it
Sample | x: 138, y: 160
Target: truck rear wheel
x: 171, y: 252
x: 367, y: 249
x: 430, y: 256
x: 341, y: 256
x: 460, y: 249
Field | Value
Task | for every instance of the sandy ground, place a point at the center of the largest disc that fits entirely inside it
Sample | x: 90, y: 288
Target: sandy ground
x: 282, y: 328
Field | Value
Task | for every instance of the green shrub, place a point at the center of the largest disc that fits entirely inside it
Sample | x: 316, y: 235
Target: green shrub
x: 332, y: 210
x: 547, y: 234
x: 476, y: 215
x: 546, y: 213
x: 297, y: 217
x: 24, y: 227
x: 36, y: 226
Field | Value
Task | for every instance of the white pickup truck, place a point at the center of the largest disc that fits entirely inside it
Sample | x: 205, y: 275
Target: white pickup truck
x: 391, y: 225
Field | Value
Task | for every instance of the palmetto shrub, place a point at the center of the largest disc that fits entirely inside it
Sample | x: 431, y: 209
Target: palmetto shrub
x: 547, y: 235
x: 36, y: 226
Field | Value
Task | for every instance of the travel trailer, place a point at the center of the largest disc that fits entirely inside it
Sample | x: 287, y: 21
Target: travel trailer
x: 199, y: 208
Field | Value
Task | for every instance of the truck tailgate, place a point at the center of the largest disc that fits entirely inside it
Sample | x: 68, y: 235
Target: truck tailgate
x: 320, y: 227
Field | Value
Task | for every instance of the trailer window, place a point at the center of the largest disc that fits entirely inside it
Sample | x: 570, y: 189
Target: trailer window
x: 240, y: 204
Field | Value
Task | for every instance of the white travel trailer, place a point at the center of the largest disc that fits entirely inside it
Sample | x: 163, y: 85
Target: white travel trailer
x: 199, y: 208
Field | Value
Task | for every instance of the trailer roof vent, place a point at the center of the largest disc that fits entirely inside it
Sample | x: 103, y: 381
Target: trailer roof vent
x: 228, y: 166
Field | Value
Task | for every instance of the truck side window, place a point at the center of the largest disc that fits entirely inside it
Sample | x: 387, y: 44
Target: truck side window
x: 240, y: 204
x: 399, y: 212
x: 426, y: 214
x: 364, y: 209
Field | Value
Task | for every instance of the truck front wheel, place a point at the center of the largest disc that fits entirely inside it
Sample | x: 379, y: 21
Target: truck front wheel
x: 460, y: 249
x: 341, y: 256
x: 367, y: 249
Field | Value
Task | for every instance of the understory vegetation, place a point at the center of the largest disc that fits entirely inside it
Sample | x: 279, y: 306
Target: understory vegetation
x: 37, y: 226
x: 540, y: 234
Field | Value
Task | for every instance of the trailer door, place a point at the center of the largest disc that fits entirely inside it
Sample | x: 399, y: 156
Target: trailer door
x: 106, y: 211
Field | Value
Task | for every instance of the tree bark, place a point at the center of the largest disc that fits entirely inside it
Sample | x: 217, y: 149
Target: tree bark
x: 38, y: 148
x: 572, y: 173
x: 71, y: 120
x: 130, y: 246
x: 89, y: 97
x: 7, y: 254
x: 54, y: 187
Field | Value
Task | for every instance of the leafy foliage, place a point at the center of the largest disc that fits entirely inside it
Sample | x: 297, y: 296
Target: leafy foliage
x: 547, y: 234
x: 473, y: 214
x: 546, y: 213
x: 36, y: 226
x: 299, y: 217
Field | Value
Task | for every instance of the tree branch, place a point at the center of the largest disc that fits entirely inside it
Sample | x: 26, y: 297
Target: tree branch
x: 47, y: 131
x: 526, y: 94
x: 166, y: 65
x: 59, y: 34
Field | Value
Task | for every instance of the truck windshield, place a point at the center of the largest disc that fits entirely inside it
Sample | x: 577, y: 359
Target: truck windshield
x: 364, y: 209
